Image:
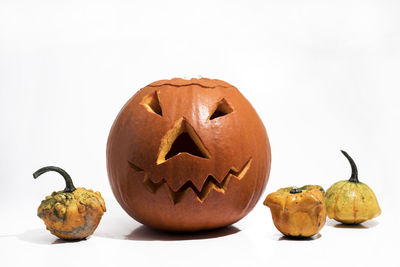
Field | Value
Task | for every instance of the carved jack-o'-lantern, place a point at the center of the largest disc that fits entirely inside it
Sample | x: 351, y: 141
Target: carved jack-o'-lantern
x: 187, y: 155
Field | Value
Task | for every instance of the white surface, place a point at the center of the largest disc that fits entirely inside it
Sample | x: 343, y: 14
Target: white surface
x: 323, y: 75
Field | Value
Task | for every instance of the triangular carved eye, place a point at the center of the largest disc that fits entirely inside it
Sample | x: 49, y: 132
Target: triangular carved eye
x: 222, y: 108
x: 152, y: 103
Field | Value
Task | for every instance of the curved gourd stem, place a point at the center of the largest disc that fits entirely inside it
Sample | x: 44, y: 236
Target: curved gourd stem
x: 69, y: 186
x: 354, y: 171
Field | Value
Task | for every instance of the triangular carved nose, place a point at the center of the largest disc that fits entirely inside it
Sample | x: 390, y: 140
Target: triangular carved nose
x: 182, y: 138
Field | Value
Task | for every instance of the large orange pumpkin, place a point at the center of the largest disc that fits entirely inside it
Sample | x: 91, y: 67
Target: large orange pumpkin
x: 188, y: 155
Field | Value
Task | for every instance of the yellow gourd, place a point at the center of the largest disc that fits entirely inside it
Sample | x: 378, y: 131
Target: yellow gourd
x: 350, y: 201
x: 298, y: 212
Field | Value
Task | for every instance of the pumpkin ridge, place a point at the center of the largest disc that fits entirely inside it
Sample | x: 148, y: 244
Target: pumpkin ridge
x: 337, y: 199
x: 210, y: 183
x: 354, y: 203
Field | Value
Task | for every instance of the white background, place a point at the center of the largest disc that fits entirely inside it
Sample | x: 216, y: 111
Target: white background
x: 323, y: 76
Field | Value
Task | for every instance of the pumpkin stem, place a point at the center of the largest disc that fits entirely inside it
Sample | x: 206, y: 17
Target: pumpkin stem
x: 354, y: 171
x: 69, y: 186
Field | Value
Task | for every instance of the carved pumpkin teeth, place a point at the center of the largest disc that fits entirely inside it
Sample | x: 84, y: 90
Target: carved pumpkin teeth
x: 210, y: 184
x: 182, y: 138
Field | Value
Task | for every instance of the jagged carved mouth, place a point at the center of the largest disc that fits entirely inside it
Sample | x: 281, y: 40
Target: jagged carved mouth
x: 210, y: 183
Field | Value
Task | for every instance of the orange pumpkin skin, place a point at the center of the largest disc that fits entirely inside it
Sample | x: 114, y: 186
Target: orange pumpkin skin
x: 188, y: 155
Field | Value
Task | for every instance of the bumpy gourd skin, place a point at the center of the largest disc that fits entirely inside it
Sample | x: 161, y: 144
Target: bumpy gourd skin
x: 72, y: 215
x: 351, y: 203
x: 300, y: 214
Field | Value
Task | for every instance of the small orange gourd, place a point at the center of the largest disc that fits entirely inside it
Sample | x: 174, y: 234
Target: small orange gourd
x: 298, y: 212
x: 73, y: 213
